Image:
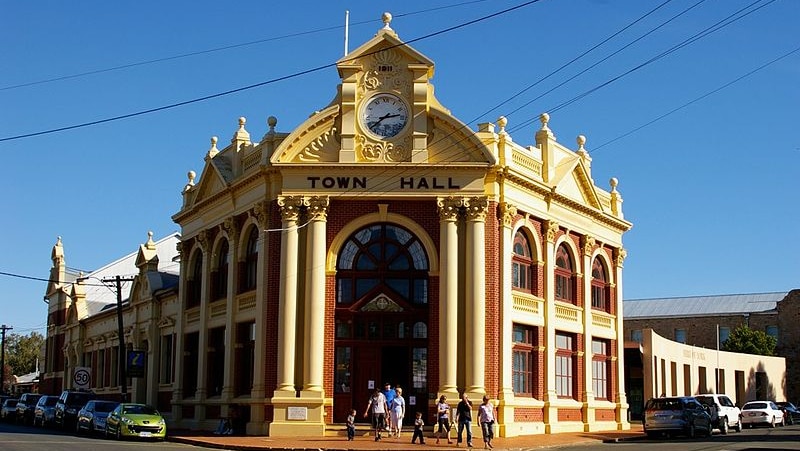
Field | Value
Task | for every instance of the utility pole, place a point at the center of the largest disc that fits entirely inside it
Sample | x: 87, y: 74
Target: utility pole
x: 123, y: 355
x: 3, y: 330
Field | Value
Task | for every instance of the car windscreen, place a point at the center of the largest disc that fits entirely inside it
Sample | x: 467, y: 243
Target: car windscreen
x: 50, y: 401
x: 140, y: 410
x: 78, y: 399
x: 663, y: 404
x: 105, y: 406
x: 755, y: 406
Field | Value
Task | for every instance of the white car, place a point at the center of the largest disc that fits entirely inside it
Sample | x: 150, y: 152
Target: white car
x: 724, y: 413
x: 756, y: 413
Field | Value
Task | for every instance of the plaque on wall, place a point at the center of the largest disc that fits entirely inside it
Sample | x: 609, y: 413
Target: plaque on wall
x: 297, y: 413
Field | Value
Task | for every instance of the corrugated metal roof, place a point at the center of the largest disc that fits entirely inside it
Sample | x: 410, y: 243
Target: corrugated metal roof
x: 99, y: 297
x: 725, y: 304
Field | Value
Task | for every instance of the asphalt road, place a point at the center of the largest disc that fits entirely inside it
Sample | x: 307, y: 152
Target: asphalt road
x: 27, y: 438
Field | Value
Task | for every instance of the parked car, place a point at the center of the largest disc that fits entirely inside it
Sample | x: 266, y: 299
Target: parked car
x: 44, y: 411
x: 756, y: 413
x: 676, y: 415
x: 791, y: 413
x: 25, y: 407
x: 135, y: 420
x: 9, y: 410
x: 92, y: 417
x: 67, y: 406
x: 724, y: 413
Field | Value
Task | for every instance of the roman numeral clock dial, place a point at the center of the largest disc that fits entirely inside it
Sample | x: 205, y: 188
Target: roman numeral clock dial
x: 384, y: 116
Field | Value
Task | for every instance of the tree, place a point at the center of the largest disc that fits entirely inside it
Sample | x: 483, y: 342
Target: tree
x: 750, y: 341
x: 22, y: 352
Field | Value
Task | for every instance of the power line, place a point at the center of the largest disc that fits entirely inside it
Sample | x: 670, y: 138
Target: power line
x: 223, y: 48
x: 695, y: 100
x: 264, y: 83
x: 39, y: 279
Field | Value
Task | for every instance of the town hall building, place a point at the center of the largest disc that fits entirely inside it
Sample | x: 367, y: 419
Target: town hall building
x: 381, y: 240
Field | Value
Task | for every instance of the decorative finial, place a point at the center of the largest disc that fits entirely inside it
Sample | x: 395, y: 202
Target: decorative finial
x: 387, y: 19
x: 613, y: 182
x: 213, y: 151
x: 502, y: 122
x: 544, y: 119
x: 190, y: 184
x: 581, y: 141
x: 58, y: 241
x: 272, y: 121
x: 150, y: 244
x: 242, y: 121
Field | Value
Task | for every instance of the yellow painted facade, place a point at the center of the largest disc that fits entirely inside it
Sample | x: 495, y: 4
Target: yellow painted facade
x: 384, y: 240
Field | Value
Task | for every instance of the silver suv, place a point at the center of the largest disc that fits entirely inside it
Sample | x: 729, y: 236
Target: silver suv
x: 724, y: 413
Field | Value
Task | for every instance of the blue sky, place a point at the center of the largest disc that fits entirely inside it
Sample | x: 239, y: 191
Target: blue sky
x: 711, y: 188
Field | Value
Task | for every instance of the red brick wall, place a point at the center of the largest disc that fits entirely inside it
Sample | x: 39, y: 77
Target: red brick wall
x: 528, y: 414
x: 570, y: 415
x: 491, y: 339
x: 605, y: 415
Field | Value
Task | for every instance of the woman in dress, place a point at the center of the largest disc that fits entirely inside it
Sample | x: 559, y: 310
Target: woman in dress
x: 397, y: 410
x: 443, y: 418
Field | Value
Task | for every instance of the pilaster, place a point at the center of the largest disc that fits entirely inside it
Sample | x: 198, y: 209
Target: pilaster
x: 476, y: 209
x: 448, y: 295
x: 287, y: 323
x: 550, y: 396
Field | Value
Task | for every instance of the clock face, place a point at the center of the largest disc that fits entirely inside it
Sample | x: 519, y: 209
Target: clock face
x: 384, y: 115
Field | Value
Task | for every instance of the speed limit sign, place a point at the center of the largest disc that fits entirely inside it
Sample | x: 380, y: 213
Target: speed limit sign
x: 82, y: 377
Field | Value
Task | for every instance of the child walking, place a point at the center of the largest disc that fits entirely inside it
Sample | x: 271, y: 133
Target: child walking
x: 418, y: 424
x: 351, y: 425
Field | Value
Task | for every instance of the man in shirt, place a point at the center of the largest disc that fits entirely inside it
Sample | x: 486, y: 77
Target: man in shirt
x: 378, y: 407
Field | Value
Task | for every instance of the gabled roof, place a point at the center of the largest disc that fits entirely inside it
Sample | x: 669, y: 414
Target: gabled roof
x: 728, y: 304
x: 98, y: 297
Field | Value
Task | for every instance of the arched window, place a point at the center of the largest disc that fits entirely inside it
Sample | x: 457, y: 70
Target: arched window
x: 600, y: 292
x: 382, y: 254
x: 565, y: 276
x: 521, y: 264
x: 195, y: 283
x: 221, y: 274
x: 250, y: 270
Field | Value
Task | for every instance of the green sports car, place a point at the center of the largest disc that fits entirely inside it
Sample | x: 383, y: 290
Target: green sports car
x: 135, y: 420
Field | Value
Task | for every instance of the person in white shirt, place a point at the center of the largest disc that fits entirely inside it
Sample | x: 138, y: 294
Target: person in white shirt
x: 378, y: 407
x: 486, y: 418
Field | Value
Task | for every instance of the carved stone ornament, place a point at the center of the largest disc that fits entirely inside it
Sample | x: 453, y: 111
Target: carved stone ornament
x: 384, y: 73
x: 202, y: 240
x: 231, y: 227
x: 508, y: 212
x: 290, y: 207
x: 260, y: 213
x: 588, y: 243
x: 317, y: 207
x: 381, y: 304
x: 476, y: 208
x: 619, y: 256
x: 551, y: 228
x: 449, y: 207
x: 328, y: 142
x: 383, y: 151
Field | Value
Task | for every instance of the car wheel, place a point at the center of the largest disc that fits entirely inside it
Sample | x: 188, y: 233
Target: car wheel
x: 772, y: 423
x: 77, y: 428
x: 692, y: 433
x: 118, y: 434
x: 90, y: 430
x: 783, y: 422
x: 723, y: 425
x: 738, y: 427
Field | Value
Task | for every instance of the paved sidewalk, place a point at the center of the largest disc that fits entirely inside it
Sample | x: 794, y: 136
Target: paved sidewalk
x: 366, y: 442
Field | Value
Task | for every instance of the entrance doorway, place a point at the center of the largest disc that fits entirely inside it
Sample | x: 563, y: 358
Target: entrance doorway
x: 381, y: 318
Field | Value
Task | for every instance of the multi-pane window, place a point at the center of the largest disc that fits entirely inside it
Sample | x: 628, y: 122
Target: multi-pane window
x: 565, y: 277
x: 250, y: 271
x: 521, y: 264
x: 221, y: 274
x: 167, y: 363
x: 680, y: 335
x: 195, y: 284
x: 724, y: 333
x: 523, y: 355
x: 600, y: 291
x: 215, y: 356
x: 772, y: 331
x: 245, y: 357
x: 636, y: 335
x: 419, y: 368
x: 565, y: 365
x: 600, y: 366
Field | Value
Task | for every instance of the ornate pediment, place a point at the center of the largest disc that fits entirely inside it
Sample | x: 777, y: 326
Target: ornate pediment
x: 381, y: 303
x: 575, y: 183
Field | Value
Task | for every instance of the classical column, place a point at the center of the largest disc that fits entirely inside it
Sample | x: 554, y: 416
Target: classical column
x: 475, y: 293
x: 184, y: 250
x: 619, y: 380
x: 585, y: 265
x: 202, y: 354
x: 550, y: 411
x: 317, y: 209
x: 448, y: 294
x: 287, y: 315
x: 261, y: 214
x: 231, y: 228
x: 509, y: 212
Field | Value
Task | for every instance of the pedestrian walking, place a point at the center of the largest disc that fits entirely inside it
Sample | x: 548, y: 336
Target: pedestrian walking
x: 378, y: 408
x: 486, y: 418
x: 419, y: 423
x: 351, y: 425
x: 397, y: 410
x: 443, y: 418
x: 464, y: 419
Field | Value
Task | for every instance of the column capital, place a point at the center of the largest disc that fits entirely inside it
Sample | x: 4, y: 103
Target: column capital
x: 509, y: 212
x: 290, y: 207
x: 448, y: 207
x: 261, y: 214
x: 203, y: 240
x: 476, y: 208
x: 587, y: 245
x: 317, y: 207
x: 619, y: 256
x: 551, y: 229
x: 231, y: 227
